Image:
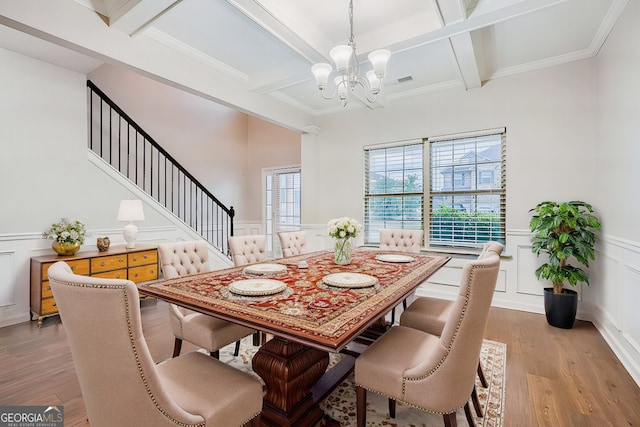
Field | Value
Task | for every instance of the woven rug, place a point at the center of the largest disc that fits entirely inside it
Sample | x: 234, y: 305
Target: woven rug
x: 341, y: 403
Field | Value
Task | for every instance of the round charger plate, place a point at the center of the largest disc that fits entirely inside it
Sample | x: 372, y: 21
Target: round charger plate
x: 265, y: 269
x: 257, y: 287
x: 349, y: 280
x: 394, y: 258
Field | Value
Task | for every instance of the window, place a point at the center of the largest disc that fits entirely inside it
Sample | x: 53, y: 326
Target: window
x: 467, y: 190
x: 394, y: 190
x: 282, y: 205
x: 465, y: 195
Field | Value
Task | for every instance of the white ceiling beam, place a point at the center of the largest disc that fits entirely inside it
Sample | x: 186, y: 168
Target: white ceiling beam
x: 465, y: 57
x: 461, y: 44
x: 133, y: 16
x: 475, y: 22
x: 285, y: 32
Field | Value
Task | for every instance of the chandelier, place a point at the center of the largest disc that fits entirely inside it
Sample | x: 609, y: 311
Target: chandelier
x: 347, y: 68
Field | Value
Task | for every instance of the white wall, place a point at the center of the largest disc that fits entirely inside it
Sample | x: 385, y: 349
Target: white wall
x: 614, y: 294
x: 269, y: 146
x: 209, y: 139
x: 550, y: 117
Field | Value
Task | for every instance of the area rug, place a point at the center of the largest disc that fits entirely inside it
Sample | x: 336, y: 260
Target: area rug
x: 341, y: 403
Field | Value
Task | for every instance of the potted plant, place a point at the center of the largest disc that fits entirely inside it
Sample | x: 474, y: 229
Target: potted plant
x: 563, y: 231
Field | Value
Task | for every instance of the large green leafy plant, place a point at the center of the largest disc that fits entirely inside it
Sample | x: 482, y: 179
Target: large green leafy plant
x: 562, y: 231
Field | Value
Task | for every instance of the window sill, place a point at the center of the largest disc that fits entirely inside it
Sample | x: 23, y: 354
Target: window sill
x: 470, y: 253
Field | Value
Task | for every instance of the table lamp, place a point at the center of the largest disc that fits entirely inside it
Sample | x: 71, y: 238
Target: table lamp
x: 130, y: 210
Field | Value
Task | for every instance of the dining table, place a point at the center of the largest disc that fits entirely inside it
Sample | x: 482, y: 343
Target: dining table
x: 310, y: 306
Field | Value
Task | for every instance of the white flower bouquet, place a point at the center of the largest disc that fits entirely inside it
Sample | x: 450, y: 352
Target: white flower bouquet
x: 65, y: 232
x: 344, y: 227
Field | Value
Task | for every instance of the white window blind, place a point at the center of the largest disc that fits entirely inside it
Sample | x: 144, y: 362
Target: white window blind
x: 394, y: 189
x: 467, y: 194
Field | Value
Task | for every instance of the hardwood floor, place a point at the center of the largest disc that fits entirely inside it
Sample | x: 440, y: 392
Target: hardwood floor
x: 555, y: 377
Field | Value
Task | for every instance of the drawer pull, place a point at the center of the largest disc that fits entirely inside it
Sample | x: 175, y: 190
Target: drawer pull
x: 73, y: 267
x: 102, y: 264
x: 55, y: 305
x: 146, y: 256
x: 121, y: 260
x: 135, y: 275
x: 48, y: 288
x: 135, y: 259
x: 117, y: 276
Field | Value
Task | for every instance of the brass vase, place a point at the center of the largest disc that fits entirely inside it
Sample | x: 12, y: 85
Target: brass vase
x: 65, y: 248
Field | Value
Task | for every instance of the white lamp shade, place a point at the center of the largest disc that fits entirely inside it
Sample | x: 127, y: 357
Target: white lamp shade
x: 130, y: 210
x: 374, y: 81
x: 321, y: 73
x: 341, y: 55
x: 379, y: 59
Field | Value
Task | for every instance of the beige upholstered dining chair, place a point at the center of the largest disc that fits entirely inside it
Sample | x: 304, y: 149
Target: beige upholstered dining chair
x: 293, y: 242
x: 402, y: 241
x: 121, y: 385
x: 435, y: 374
x: 207, y: 332
x: 430, y: 314
x: 248, y: 249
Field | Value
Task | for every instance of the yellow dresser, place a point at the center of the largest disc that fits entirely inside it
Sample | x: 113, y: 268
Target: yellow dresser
x: 138, y: 265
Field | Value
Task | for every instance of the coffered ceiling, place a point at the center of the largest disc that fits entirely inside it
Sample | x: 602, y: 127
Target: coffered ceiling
x: 269, y: 45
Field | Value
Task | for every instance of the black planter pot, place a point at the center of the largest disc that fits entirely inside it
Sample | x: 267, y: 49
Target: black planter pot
x: 561, y: 308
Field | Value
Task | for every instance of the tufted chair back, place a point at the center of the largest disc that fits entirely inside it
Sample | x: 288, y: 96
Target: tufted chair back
x: 293, y: 242
x: 436, y: 374
x: 121, y: 384
x: 401, y: 240
x: 119, y: 381
x: 248, y: 249
x: 182, y: 258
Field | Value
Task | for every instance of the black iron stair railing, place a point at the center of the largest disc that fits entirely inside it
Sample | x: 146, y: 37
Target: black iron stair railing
x: 121, y: 142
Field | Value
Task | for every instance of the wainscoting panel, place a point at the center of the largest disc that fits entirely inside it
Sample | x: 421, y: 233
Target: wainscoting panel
x: 6, y: 277
x: 527, y: 263
x: 631, y: 313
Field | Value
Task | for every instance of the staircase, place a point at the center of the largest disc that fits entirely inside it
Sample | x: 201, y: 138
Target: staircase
x: 122, y: 143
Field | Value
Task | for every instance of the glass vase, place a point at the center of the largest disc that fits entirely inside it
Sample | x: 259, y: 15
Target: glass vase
x: 342, y: 251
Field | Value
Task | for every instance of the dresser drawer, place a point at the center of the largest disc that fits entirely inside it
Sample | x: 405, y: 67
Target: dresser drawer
x: 79, y: 266
x: 113, y: 274
x: 107, y: 263
x: 143, y: 258
x: 144, y: 273
x: 49, y: 306
x: 46, y: 290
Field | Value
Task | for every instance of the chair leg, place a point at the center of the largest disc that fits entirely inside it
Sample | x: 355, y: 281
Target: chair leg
x: 177, y: 346
x: 393, y: 316
x: 392, y: 408
x: 237, y: 351
x: 361, y: 406
x: 215, y: 354
x: 404, y: 304
x: 256, y: 339
x: 467, y: 412
x: 255, y: 421
x: 483, y: 380
x: 450, y: 420
x: 476, y: 402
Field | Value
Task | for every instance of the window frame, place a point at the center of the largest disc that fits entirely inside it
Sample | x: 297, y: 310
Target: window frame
x: 471, y: 168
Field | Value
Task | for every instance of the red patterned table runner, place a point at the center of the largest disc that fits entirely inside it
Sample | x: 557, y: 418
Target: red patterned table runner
x: 308, y: 310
